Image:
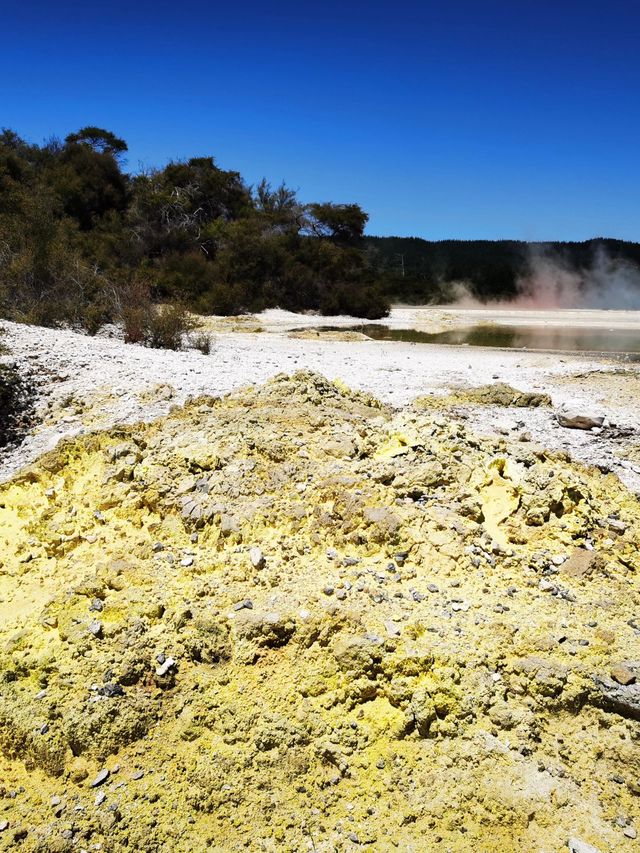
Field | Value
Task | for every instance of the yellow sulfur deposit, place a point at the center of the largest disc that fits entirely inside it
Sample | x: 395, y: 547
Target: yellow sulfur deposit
x: 293, y: 620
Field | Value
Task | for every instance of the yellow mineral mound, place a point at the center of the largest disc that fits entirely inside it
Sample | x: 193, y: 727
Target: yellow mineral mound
x: 292, y: 620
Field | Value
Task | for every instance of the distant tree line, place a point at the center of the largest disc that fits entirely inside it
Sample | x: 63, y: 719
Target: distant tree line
x: 83, y: 242
x: 422, y: 271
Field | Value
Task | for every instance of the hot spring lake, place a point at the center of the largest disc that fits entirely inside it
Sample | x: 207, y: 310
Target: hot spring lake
x: 617, y: 341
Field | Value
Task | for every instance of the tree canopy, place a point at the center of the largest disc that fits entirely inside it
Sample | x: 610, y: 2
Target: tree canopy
x: 78, y: 233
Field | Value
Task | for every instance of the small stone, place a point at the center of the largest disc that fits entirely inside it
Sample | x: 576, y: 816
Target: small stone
x: 575, y: 845
x: 100, y: 798
x: 630, y: 832
x: 95, y: 628
x: 167, y: 665
x: 246, y: 604
x: 44, y: 728
x: 102, y: 777
x: 432, y: 587
x: 157, y: 547
x: 328, y: 590
x: 623, y: 675
x: 41, y: 694
x: 380, y: 764
x: 4, y: 825
x: 256, y: 558
x: 392, y: 629
x: 97, y: 605
x: 111, y: 690
x: 616, y: 525
x: 55, y: 801
x: 137, y: 774
x: 161, y: 658
x: 341, y: 594
x: 186, y: 561
x: 573, y: 418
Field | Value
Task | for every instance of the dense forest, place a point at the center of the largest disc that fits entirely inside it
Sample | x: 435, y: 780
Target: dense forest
x: 422, y: 271
x: 83, y: 242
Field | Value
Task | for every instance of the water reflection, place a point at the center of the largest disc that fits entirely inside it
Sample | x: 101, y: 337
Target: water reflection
x: 566, y: 339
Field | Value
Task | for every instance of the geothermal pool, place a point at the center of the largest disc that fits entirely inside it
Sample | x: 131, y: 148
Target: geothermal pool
x: 534, y: 337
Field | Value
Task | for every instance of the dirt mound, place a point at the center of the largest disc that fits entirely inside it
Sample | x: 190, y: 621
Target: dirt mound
x: 496, y: 394
x: 289, y: 619
x: 332, y: 335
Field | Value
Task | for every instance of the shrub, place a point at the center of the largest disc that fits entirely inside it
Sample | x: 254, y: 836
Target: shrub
x: 202, y: 341
x: 167, y: 325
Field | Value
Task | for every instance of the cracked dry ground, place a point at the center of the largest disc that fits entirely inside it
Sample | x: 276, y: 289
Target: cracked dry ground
x: 292, y: 619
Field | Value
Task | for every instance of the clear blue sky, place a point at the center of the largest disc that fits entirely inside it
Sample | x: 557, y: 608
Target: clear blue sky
x: 478, y: 118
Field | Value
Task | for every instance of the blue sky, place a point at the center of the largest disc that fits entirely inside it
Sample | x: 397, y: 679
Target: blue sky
x: 485, y: 119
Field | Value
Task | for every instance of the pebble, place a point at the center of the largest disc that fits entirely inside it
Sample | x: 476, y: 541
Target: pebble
x: 95, y: 628
x: 164, y: 668
x: 630, y: 832
x: 432, y: 587
x: 102, y: 777
x: 100, y: 798
x: 157, y: 547
x: 246, y: 604
x: 97, y: 605
x: 4, y: 825
x: 623, y: 675
x: 328, y: 590
x: 137, y: 774
x: 186, y: 561
x: 392, y: 629
x: 257, y: 558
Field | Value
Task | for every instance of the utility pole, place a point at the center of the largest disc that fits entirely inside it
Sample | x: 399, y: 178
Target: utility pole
x: 401, y: 256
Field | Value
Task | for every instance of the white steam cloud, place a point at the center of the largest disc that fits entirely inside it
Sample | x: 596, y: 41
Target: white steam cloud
x: 607, y: 283
x: 550, y: 282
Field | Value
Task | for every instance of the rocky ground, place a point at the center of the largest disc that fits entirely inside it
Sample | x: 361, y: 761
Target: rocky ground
x: 93, y: 383
x: 293, y: 618
x: 300, y: 617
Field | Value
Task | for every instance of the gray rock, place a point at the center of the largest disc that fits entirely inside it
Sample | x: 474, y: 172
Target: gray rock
x: 95, y: 628
x: 577, y: 846
x: 246, y: 604
x: 392, y: 629
x: 164, y: 667
x: 257, y: 558
x: 4, y: 825
x: 100, y: 798
x: 573, y: 418
x: 623, y: 699
x: 102, y: 777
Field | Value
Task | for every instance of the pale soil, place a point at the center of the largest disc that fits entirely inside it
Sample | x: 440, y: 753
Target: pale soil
x: 89, y: 383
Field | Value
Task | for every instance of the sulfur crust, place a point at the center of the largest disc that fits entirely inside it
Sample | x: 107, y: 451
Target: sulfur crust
x: 445, y: 700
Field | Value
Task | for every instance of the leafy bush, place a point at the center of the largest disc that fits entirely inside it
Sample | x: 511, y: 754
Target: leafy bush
x: 167, y: 326
x: 202, y: 341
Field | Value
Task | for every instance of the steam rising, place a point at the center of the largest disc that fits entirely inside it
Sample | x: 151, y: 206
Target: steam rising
x: 607, y: 283
x: 550, y: 283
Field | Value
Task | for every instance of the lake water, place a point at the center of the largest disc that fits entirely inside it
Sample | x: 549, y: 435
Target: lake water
x: 544, y: 338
